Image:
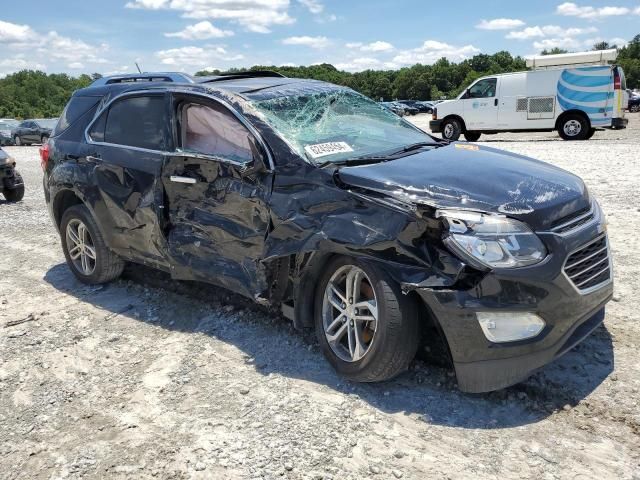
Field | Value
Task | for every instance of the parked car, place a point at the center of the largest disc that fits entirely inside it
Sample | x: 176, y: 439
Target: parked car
x: 634, y: 104
x: 11, y: 184
x: 33, y: 131
x: 396, y: 108
x: 309, y: 197
x: 565, y: 96
x: 6, y: 125
x: 421, y: 107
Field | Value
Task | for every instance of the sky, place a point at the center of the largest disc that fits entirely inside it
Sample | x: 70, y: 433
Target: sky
x: 109, y: 36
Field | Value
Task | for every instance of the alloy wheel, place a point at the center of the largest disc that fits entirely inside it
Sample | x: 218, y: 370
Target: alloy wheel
x: 80, y: 247
x: 350, y: 313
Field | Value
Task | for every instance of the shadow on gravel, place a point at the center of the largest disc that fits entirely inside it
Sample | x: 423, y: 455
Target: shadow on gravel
x: 271, y: 344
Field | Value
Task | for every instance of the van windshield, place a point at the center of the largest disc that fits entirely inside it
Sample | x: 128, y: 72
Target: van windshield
x: 338, y: 125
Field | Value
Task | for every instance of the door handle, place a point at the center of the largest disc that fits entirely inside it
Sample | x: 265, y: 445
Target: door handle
x: 93, y: 159
x: 495, y: 102
x: 178, y: 179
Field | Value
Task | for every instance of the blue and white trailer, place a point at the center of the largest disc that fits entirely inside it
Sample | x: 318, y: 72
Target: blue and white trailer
x: 574, y: 94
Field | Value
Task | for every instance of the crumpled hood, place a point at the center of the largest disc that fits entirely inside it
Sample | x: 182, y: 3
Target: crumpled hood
x: 479, y: 178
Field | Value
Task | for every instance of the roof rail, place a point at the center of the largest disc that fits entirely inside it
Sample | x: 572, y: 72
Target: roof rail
x: 176, y: 77
x: 239, y: 75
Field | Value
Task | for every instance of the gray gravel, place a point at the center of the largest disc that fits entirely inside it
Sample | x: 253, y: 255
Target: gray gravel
x: 148, y: 378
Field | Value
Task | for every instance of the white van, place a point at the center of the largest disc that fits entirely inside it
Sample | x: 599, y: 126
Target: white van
x: 572, y: 93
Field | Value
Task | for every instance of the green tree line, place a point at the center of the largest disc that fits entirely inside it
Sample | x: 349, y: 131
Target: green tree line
x: 34, y: 94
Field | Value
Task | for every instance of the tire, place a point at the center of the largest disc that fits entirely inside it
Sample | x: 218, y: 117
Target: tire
x: 105, y: 266
x: 574, y: 127
x: 451, y: 129
x: 44, y: 139
x: 592, y: 131
x: 15, y: 194
x: 634, y: 108
x: 472, y: 136
x: 388, y: 345
x: 16, y: 141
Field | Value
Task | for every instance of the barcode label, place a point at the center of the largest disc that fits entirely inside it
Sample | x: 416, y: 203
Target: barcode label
x: 324, y: 149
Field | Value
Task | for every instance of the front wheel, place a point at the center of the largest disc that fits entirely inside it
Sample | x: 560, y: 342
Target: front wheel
x: 472, y: 136
x: 574, y: 127
x: 451, y: 129
x: 16, y: 141
x: 634, y: 108
x: 367, y: 329
x: 85, y: 250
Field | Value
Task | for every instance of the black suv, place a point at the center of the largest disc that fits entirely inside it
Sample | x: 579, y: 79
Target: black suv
x: 310, y: 197
x: 33, y: 131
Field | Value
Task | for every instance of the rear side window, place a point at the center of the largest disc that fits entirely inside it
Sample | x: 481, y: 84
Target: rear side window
x: 135, y: 122
x: 76, y: 107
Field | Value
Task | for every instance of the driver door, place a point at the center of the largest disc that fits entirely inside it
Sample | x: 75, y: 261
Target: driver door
x: 217, y: 186
x: 481, y: 105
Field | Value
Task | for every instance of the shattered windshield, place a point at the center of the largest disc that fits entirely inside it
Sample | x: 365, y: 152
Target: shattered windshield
x: 337, y: 125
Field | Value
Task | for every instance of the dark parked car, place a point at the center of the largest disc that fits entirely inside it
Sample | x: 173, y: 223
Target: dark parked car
x: 11, y: 184
x: 310, y: 197
x: 33, y: 131
x: 6, y: 125
x: 395, y: 107
x: 634, y: 103
x: 421, y: 107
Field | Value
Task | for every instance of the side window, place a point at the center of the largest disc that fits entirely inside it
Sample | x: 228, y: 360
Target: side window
x: 135, y: 122
x: 484, y: 88
x: 212, y: 130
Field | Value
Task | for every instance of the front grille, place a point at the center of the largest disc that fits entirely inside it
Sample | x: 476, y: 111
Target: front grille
x: 589, y: 266
x: 573, y: 221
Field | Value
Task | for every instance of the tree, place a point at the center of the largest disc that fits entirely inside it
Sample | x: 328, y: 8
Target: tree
x: 554, y: 51
x: 604, y: 46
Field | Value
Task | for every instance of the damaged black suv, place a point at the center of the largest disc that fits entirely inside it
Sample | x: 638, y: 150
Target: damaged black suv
x: 310, y: 197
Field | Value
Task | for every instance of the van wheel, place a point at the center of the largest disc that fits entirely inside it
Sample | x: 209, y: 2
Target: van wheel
x: 451, y: 129
x: 592, y: 131
x: 367, y: 328
x: 574, y: 127
x: 472, y: 136
x: 85, y: 250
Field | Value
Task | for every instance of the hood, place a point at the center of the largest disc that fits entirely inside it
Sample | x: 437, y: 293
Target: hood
x: 480, y: 178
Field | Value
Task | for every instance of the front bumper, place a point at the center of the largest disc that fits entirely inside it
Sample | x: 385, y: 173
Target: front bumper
x: 544, y: 289
x: 435, y: 126
x: 8, y: 178
x: 5, y: 140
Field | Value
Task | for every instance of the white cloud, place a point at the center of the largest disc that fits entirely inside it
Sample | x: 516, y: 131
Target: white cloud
x: 11, y: 32
x: 314, y: 6
x: 200, y: 31
x: 500, y: 24
x: 432, y: 50
x: 255, y: 15
x: 566, y: 43
x: 76, y: 65
x: 548, y: 31
x: 198, y: 57
x: 313, y: 42
x: 570, y: 9
x: 377, y: 47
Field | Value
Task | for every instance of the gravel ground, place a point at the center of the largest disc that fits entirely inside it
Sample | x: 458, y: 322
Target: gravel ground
x: 151, y: 378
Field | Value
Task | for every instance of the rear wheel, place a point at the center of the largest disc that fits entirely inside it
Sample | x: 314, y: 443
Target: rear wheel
x: 85, y: 250
x: 592, y: 131
x: 16, y: 141
x: 366, y: 327
x: 44, y: 139
x: 635, y: 108
x: 472, y: 136
x: 574, y: 127
x: 451, y: 129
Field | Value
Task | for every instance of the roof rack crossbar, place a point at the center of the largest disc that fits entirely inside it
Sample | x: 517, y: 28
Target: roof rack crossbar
x: 240, y: 75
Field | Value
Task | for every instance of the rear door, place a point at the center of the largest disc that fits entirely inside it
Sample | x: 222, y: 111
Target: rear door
x: 217, y: 184
x: 481, y: 105
x: 126, y: 151
x: 30, y: 132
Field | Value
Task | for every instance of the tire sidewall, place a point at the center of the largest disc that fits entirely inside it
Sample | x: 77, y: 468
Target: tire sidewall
x: 379, y: 340
x: 17, y: 141
x: 81, y: 213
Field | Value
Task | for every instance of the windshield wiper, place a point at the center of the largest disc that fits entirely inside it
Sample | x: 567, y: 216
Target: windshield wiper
x: 385, y: 156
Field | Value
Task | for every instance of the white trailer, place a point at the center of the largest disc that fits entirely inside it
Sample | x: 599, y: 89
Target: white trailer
x: 572, y: 93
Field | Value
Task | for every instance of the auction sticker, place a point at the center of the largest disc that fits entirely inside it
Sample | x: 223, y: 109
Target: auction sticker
x: 465, y: 146
x: 323, y: 149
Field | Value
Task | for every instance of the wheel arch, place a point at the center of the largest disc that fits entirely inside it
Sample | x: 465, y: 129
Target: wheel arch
x: 62, y: 202
x: 455, y: 116
x: 574, y: 111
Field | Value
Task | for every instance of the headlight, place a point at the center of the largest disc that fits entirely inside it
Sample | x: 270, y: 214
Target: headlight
x: 491, y: 241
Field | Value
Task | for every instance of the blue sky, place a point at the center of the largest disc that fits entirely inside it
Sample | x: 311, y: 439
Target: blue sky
x: 108, y: 36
